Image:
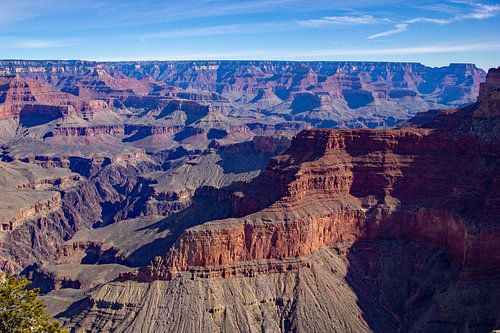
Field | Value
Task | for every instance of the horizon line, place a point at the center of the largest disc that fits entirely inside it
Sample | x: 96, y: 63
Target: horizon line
x: 242, y: 60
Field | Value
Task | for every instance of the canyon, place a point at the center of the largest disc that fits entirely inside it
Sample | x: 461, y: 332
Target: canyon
x: 253, y: 195
x: 326, y: 94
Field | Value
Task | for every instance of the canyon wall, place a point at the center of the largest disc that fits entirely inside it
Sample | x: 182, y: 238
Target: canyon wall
x: 327, y: 94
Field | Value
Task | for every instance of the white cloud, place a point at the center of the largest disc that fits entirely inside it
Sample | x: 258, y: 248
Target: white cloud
x: 317, y: 54
x: 404, y: 50
x: 340, y: 20
x: 398, y: 28
x: 264, y: 27
x: 428, y: 20
x: 479, y: 12
x: 402, y: 27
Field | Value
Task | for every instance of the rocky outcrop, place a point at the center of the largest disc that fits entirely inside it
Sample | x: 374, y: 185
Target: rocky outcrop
x: 90, y: 131
x: 93, y: 198
x: 216, y: 167
x: 147, y: 130
x: 52, y: 281
x: 39, y: 209
x: 489, y: 96
x: 405, y: 219
x: 31, y: 99
x: 267, y: 79
x: 380, y: 286
x: 149, y: 102
x: 97, y: 82
x: 258, y: 306
x: 348, y: 230
x: 284, y: 128
x: 60, y: 182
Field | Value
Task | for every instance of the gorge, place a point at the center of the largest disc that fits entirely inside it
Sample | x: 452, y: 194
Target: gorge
x: 253, y: 196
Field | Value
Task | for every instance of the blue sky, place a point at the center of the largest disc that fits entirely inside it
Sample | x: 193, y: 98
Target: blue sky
x: 432, y: 32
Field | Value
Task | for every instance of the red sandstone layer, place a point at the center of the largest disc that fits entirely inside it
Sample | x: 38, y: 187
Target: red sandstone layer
x: 296, y: 227
x: 21, y: 96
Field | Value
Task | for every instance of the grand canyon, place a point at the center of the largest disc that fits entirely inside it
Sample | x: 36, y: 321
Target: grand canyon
x: 253, y: 196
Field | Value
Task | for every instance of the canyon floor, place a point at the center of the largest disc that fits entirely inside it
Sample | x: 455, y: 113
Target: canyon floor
x: 253, y: 196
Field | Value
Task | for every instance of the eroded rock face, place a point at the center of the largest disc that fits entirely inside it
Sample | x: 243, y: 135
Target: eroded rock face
x: 38, y: 214
x: 490, y: 95
x: 412, y: 211
x: 380, y: 286
x: 332, y: 94
x: 362, y: 184
x: 91, y: 131
x: 30, y: 99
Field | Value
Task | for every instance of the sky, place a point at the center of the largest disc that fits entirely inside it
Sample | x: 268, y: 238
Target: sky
x: 434, y: 33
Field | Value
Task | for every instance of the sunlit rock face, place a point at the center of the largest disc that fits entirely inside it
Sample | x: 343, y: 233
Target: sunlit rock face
x: 361, y: 192
x: 335, y: 186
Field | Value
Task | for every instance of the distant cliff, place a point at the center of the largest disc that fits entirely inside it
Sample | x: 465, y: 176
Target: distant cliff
x: 327, y: 94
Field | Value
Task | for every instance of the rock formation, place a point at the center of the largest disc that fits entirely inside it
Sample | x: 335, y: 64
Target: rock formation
x: 364, y: 184
x: 32, y: 99
x: 489, y: 96
x: 330, y: 94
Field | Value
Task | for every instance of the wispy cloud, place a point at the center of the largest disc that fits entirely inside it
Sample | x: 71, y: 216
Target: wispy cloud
x: 102, y: 14
x: 340, y: 20
x: 402, y: 27
x: 428, y: 20
x: 398, y: 28
x: 264, y: 27
x: 479, y: 12
x: 329, y: 54
x: 37, y: 44
x: 477, y: 47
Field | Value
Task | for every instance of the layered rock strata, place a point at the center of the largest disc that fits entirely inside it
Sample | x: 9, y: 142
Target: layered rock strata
x: 328, y: 94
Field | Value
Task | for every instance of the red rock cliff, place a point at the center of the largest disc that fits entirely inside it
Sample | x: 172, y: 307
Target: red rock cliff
x: 27, y: 96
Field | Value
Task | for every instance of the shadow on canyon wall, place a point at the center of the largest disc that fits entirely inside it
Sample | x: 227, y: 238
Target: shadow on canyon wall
x: 396, y: 281
x: 409, y: 271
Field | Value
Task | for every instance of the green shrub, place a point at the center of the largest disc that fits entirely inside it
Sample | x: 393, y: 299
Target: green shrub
x: 20, y: 309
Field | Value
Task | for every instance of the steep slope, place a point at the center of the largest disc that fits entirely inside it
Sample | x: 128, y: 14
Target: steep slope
x: 43, y: 207
x: 365, y: 183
